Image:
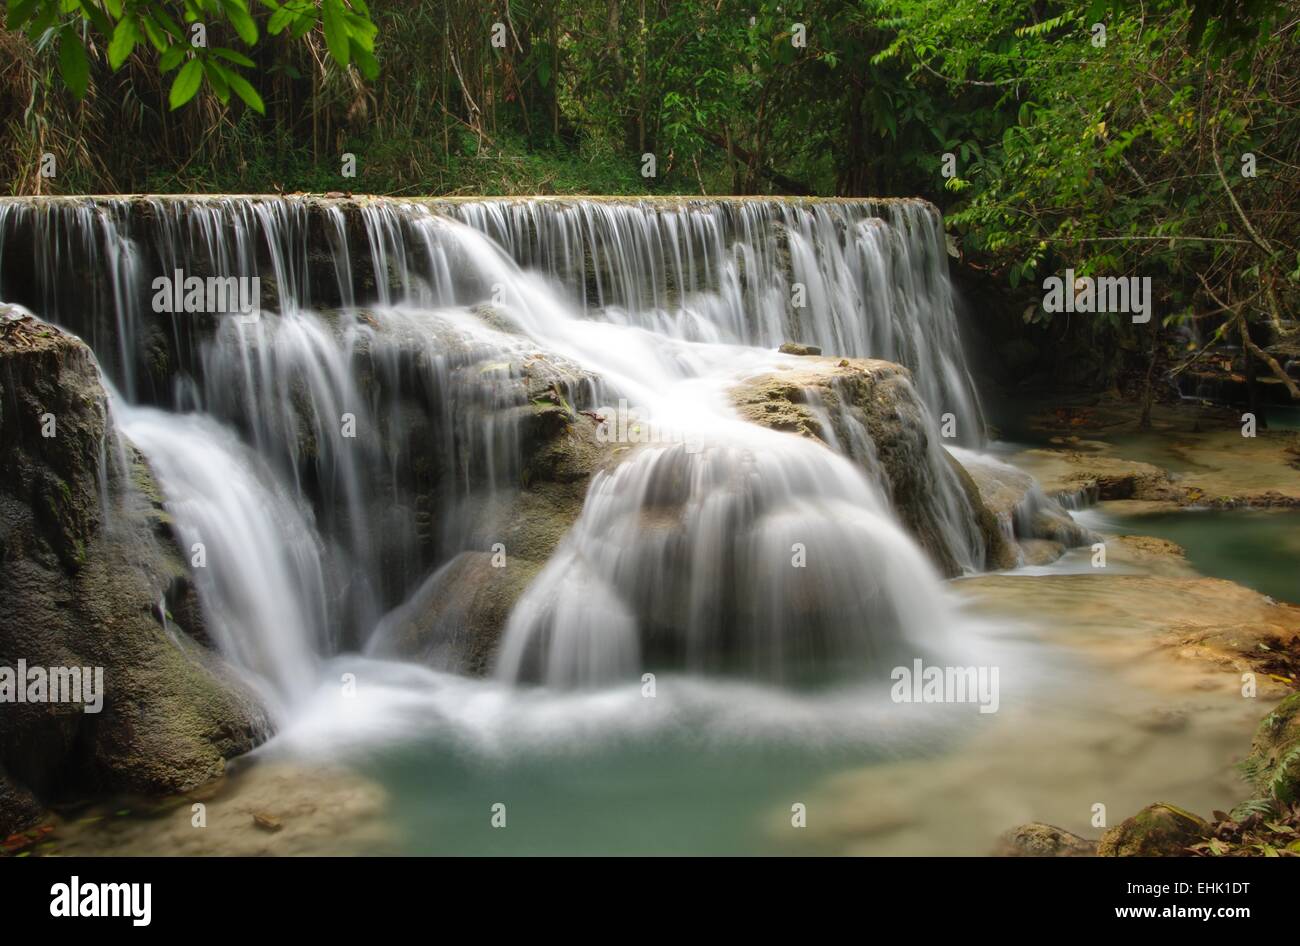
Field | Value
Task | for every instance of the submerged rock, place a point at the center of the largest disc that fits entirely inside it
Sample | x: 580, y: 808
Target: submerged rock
x: 90, y: 577
x: 1157, y: 830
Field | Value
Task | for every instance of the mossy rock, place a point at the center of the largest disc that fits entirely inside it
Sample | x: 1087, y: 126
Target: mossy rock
x: 1158, y: 830
x: 83, y: 589
x: 1273, y: 765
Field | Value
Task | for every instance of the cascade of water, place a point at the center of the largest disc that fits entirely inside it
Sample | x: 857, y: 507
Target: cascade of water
x: 258, y: 565
x: 856, y: 278
x: 767, y: 555
x: 679, y: 554
x: 954, y: 515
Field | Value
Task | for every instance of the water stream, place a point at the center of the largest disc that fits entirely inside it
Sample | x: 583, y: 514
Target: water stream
x: 335, y: 452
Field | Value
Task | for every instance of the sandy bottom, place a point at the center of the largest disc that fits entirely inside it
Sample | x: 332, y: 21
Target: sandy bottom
x: 259, y: 808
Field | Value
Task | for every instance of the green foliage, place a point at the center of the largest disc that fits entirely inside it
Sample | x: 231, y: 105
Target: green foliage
x: 136, y: 27
x: 1110, y: 158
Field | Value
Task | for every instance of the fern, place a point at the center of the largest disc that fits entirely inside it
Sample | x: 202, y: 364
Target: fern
x: 1281, y: 785
x: 1039, y: 29
x: 1264, y: 807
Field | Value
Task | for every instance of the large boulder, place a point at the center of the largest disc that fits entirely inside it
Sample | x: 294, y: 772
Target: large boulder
x: 454, y: 620
x: 835, y: 400
x: 91, y: 577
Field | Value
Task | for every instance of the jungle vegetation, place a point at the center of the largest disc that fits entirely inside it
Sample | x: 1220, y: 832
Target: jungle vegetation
x: 1159, y: 138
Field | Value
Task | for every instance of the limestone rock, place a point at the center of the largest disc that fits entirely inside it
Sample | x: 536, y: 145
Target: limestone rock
x: 833, y: 400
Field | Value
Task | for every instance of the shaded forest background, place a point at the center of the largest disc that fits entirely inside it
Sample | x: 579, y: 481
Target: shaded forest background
x: 1155, y: 139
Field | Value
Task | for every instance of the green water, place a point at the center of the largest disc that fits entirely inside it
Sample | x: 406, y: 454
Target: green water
x: 659, y: 799
x: 1256, y: 548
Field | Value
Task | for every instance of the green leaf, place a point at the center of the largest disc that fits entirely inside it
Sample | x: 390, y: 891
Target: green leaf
x: 245, y: 91
x: 219, y: 77
x: 362, y: 31
x: 279, y: 20
x: 20, y: 11
x: 237, y: 58
x: 157, y: 35
x: 123, y: 42
x: 366, y: 62
x: 98, y: 17
x: 170, y: 25
x: 72, y: 62
x: 171, y: 58
x: 302, y: 25
x: 336, y: 31
x: 241, y: 20
x: 186, y: 84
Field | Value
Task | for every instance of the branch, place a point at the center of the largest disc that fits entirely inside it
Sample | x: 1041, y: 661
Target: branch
x: 1254, y: 349
x: 776, y: 177
x: 1232, y: 198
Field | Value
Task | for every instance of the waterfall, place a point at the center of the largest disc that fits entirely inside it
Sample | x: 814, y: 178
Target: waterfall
x: 711, y: 580
x: 256, y: 556
x: 335, y: 452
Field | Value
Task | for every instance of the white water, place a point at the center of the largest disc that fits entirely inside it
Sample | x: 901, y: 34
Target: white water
x: 260, y: 563
x: 688, y: 300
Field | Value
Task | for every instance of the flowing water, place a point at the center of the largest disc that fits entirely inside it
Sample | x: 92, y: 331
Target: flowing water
x: 334, y: 452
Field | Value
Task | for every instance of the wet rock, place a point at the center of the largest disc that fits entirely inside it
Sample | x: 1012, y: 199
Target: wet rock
x: 85, y: 584
x: 1040, y: 551
x: 1159, y: 830
x: 1022, y: 507
x: 454, y: 620
x: 267, y: 822
x: 837, y: 401
x: 1044, y: 840
x: 795, y: 348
